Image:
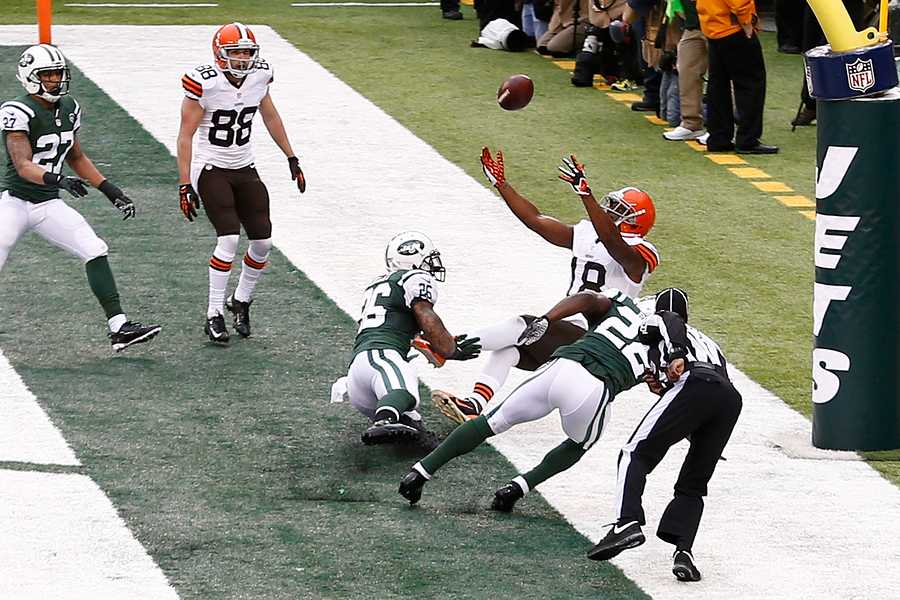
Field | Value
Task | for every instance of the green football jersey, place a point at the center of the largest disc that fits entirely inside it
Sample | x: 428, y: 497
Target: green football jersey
x: 387, y: 319
x: 52, y: 134
x: 610, y: 350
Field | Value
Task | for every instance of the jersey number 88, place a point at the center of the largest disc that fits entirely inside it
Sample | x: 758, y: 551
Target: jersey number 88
x: 223, y: 132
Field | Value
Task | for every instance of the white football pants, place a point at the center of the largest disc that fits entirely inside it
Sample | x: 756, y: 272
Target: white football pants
x: 54, y: 220
x: 564, y: 385
x: 374, y: 373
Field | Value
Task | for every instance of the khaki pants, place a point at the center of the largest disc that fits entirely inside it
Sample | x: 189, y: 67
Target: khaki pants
x: 692, y: 65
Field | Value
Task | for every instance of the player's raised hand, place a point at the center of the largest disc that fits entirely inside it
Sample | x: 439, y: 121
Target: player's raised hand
x: 466, y: 349
x: 535, y: 331
x: 572, y: 172
x: 73, y: 185
x: 118, y: 198
x: 188, y: 200
x: 297, y: 173
x: 493, y: 167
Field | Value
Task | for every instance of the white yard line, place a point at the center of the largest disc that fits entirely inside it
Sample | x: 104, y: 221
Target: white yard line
x: 137, y: 5
x: 26, y: 433
x: 370, y: 4
x: 62, y: 539
x: 775, y: 527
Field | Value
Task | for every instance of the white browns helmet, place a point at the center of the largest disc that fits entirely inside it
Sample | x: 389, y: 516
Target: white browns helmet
x: 414, y: 250
x: 39, y: 59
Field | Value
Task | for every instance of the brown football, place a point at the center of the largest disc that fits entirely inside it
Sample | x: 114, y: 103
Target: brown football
x: 515, y: 93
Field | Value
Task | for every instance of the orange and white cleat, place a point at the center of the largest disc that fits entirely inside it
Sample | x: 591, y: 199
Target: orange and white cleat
x: 458, y: 410
x: 424, y: 348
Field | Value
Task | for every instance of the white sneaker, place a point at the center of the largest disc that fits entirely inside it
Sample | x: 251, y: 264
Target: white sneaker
x: 702, y: 139
x: 682, y: 134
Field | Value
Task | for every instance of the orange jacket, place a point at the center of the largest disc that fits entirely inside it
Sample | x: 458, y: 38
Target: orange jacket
x: 720, y: 18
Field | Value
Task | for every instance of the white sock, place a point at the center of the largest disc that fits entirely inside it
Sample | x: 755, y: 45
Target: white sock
x: 252, y: 268
x: 500, y: 335
x: 495, y: 372
x: 520, y: 481
x: 115, y: 323
x: 219, y: 271
x: 421, y: 470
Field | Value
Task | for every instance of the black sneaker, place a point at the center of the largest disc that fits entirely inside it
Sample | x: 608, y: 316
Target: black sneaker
x: 452, y: 15
x: 389, y: 431
x: 684, y: 568
x: 617, y: 539
x: 241, y: 312
x: 506, y: 497
x: 216, y: 330
x: 411, y: 486
x: 132, y: 332
x: 428, y: 440
x: 644, y: 106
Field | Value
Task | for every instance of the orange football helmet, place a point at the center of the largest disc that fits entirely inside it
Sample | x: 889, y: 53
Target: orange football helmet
x: 232, y: 37
x: 631, y: 210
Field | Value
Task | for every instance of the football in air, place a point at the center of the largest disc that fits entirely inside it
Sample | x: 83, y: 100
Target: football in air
x: 515, y: 93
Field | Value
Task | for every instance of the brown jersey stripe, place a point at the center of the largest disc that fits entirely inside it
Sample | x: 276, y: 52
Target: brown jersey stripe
x: 649, y: 256
x: 253, y: 263
x: 191, y: 85
x: 219, y: 265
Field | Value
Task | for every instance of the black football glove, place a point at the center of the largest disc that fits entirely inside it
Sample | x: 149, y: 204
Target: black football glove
x: 466, y: 349
x: 535, y: 331
x: 118, y: 198
x: 188, y: 200
x: 297, y: 173
x: 73, y: 185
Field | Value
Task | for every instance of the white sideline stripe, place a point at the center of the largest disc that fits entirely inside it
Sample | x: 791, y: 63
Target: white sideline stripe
x: 317, y: 4
x: 26, y: 433
x: 774, y: 527
x: 62, y: 538
x: 137, y: 5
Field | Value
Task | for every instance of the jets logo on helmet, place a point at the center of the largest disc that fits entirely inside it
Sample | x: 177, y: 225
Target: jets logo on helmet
x: 235, y: 49
x: 631, y: 210
x: 46, y: 60
x: 414, y: 250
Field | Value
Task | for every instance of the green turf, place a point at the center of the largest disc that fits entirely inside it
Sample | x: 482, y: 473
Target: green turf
x: 229, y: 464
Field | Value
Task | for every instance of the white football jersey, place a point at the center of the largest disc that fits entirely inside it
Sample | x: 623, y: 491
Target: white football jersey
x: 223, y: 138
x: 593, y: 268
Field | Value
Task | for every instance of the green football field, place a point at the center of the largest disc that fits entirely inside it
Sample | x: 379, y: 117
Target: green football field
x: 228, y: 464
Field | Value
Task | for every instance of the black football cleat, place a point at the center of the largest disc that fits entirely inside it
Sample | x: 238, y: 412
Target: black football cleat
x: 684, y: 568
x: 427, y: 440
x: 132, y: 332
x: 411, y: 486
x: 617, y: 539
x: 506, y: 497
x: 216, y: 330
x: 241, y: 312
x: 389, y: 431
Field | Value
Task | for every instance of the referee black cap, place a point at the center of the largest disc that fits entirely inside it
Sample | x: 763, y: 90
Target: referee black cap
x: 673, y: 299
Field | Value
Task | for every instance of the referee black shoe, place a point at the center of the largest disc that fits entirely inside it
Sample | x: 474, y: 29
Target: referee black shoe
x: 506, y: 497
x: 617, y: 539
x: 684, y: 568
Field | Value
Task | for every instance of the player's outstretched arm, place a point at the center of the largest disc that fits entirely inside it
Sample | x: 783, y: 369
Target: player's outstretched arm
x: 590, y: 304
x: 572, y: 172
x: 18, y: 146
x: 441, y: 340
x: 275, y: 125
x: 84, y: 167
x: 553, y: 230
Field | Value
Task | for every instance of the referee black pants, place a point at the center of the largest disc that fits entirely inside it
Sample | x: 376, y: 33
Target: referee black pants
x: 735, y: 61
x: 701, y: 410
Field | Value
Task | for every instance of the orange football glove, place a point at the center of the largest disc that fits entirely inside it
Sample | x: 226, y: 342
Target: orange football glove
x: 493, y: 168
x: 188, y: 200
x: 572, y: 172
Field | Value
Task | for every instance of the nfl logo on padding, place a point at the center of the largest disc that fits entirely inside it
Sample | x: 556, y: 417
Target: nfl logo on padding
x: 860, y: 75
